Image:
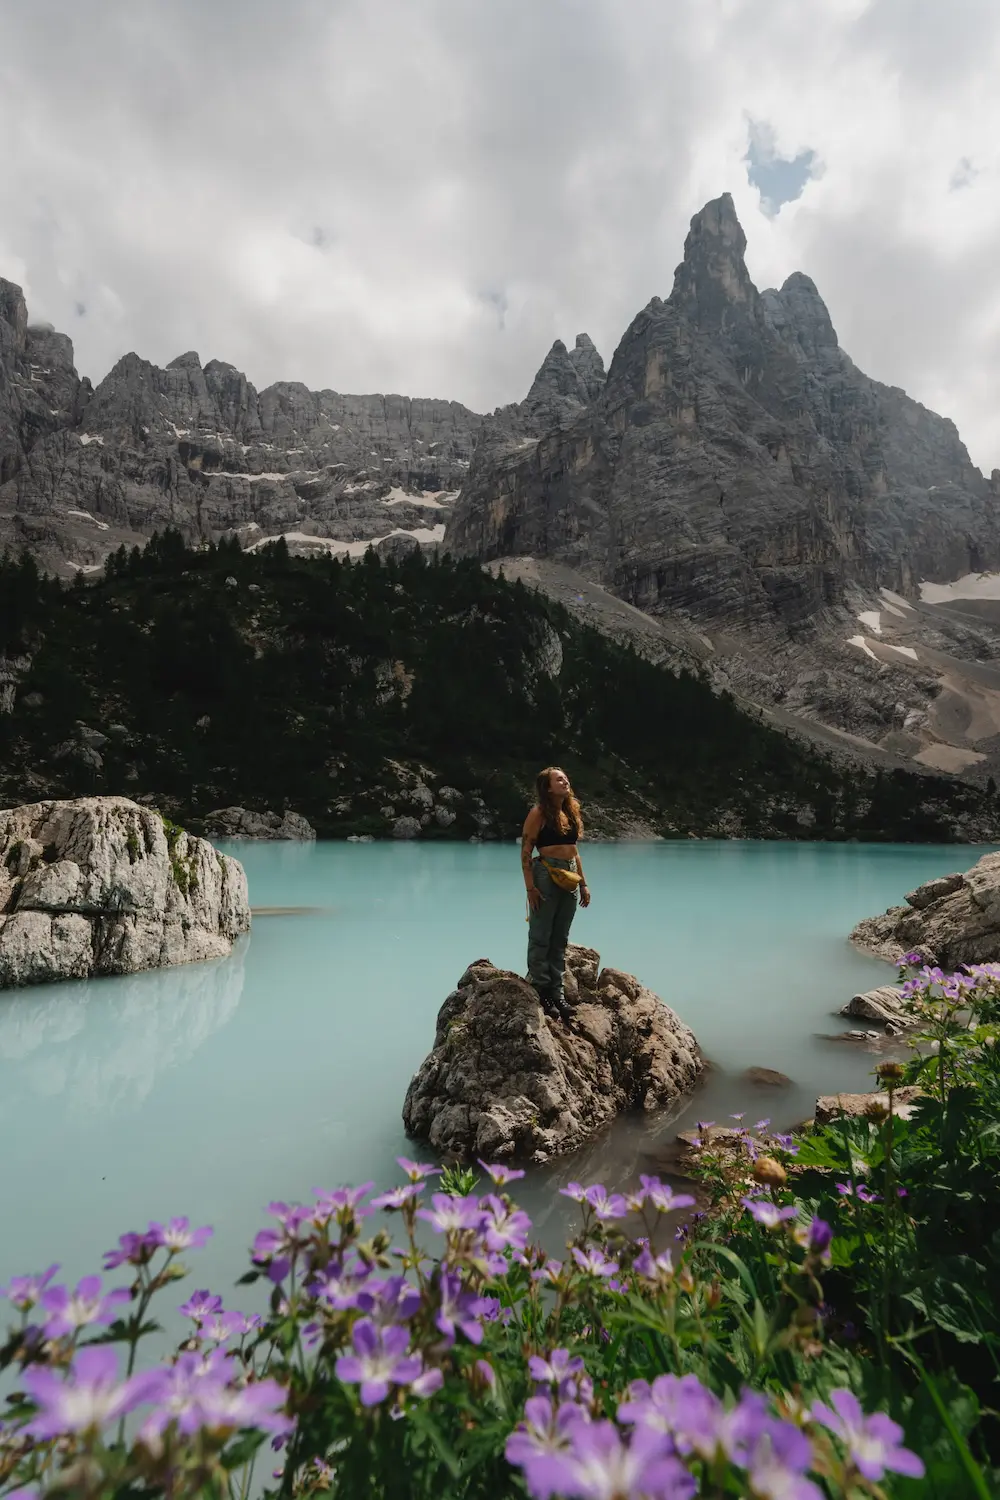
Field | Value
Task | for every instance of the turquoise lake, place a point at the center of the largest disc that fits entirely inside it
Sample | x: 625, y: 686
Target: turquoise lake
x: 210, y: 1089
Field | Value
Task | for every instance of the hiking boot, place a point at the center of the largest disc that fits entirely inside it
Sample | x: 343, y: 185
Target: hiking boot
x: 562, y: 1008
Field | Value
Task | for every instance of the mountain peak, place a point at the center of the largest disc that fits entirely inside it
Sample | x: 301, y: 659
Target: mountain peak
x: 799, y: 312
x: 188, y: 361
x: 713, y: 276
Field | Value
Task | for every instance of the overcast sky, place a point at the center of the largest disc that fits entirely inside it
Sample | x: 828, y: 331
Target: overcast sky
x: 420, y: 195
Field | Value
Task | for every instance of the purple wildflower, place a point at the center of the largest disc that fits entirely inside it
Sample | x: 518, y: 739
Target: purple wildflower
x: 201, y: 1305
x: 380, y: 1360
x: 340, y: 1285
x: 678, y: 1406
x: 767, y: 1213
x: 778, y: 1464
x: 133, y: 1249
x: 90, y: 1396
x: 575, y: 1191
x: 815, y: 1237
x: 500, y: 1173
x: 861, y: 1192
x: 196, y: 1392
x: 543, y: 1438
x: 551, y: 1271
x: 654, y: 1268
x: 607, y: 1207
x: 662, y: 1196
x: 342, y: 1203
x: 398, y: 1197
x: 220, y: 1327
x: 257, y: 1404
x: 873, y: 1442
x: 911, y: 960
x: 593, y: 1262
x: 559, y: 1369
x: 69, y: 1311
x: 417, y: 1171
x: 460, y: 1309
x: 603, y: 1463
x: 23, y: 1292
x: 393, y: 1300
x: 504, y: 1226
x: 452, y: 1214
x: 178, y: 1235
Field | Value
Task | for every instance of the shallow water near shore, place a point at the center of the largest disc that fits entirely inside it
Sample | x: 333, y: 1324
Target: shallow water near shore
x: 210, y: 1089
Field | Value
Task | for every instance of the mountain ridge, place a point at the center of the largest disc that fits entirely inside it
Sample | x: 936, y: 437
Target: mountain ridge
x: 732, y: 473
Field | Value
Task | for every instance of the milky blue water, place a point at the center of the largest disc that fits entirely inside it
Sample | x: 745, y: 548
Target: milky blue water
x: 210, y: 1089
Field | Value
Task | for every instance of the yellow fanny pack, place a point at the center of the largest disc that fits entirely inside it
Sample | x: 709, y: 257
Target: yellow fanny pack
x: 566, y: 880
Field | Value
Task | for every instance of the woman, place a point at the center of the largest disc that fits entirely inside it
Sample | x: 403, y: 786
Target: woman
x: 554, y: 827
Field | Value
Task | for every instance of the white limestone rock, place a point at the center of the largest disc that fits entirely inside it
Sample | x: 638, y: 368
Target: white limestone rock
x: 101, y: 885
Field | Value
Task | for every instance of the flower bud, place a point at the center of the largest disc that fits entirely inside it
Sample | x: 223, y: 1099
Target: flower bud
x: 769, y: 1173
x: 889, y: 1072
x: 876, y: 1110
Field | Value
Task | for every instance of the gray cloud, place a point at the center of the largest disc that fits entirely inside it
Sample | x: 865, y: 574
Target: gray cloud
x: 420, y: 195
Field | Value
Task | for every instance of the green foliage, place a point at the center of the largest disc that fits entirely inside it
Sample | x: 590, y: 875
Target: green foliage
x: 298, y: 687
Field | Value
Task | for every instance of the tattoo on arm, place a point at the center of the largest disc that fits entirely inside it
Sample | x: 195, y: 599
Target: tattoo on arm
x: 526, y: 846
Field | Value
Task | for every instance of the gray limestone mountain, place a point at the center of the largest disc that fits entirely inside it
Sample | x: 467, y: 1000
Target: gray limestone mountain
x: 734, y: 493
x: 736, y: 476
x: 198, y: 448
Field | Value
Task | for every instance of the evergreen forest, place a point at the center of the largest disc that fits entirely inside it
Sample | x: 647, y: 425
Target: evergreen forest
x: 200, y: 679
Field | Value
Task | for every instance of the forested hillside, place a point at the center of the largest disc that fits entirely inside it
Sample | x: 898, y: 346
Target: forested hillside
x: 201, y: 679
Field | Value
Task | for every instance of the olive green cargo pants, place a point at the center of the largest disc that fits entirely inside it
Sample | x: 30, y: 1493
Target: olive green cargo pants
x: 548, y: 931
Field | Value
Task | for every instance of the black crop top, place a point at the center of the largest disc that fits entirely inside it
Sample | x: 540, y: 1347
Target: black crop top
x: 548, y: 835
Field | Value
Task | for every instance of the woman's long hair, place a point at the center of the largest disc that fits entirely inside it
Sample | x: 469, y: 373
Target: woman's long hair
x: 555, y: 814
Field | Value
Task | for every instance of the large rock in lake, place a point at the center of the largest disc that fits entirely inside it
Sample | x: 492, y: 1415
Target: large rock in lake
x: 504, y: 1080
x: 104, y: 886
x: 952, y: 920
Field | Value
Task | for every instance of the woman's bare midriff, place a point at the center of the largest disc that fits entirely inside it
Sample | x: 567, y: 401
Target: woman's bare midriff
x: 558, y: 851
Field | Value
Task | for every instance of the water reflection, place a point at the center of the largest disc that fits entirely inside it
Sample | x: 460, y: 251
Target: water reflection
x: 100, y: 1044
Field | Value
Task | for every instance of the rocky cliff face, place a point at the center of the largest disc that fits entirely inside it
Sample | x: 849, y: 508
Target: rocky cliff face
x: 735, y: 465
x: 737, y: 473
x: 198, y: 448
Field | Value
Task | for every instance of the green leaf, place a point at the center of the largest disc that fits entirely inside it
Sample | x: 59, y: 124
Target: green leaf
x: 972, y: 1470
x: 742, y: 1270
x: 422, y: 1421
x: 242, y: 1449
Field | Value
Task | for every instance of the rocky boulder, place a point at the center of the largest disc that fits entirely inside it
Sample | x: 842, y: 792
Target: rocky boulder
x: 952, y: 920
x: 504, y: 1080
x: 884, y: 1004
x: 856, y: 1106
x: 104, y: 886
x: 240, y: 823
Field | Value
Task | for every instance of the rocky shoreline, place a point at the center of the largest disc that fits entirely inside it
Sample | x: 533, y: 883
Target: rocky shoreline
x: 952, y: 920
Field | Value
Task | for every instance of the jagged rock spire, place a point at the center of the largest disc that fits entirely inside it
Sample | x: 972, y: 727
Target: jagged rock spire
x: 576, y: 376
x: 713, y: 277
